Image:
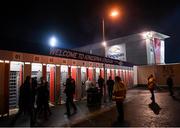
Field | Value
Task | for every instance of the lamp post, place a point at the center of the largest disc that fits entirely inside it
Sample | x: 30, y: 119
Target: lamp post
x: 104, y: 44
x: 114, y: 13
x: 104, y: 68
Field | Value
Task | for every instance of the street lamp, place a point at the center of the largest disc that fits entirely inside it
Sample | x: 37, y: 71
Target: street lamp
x: 114, y: 13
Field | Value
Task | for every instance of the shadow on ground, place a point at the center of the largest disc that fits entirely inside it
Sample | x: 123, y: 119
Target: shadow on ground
x: 155, y: 107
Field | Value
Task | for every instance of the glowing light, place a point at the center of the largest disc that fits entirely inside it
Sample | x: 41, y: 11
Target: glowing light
x: 147, y: 35
x: 27, y: 63
x: 114, y: 13
x: 1, y: 61
x: 6, y: 61
x: 53, y: 41
x: 104, y: 44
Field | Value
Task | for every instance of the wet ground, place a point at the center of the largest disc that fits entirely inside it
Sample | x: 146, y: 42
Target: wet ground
x: 142, y: 113
x: 137, y: 108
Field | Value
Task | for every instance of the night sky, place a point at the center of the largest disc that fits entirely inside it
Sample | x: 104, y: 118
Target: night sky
x: 28, y: 25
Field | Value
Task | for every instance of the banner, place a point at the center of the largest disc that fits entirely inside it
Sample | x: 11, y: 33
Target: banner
x: 86, y: 57
x: 157, y: 49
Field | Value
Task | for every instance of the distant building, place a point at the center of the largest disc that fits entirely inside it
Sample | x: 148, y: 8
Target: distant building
x: 141, y: 49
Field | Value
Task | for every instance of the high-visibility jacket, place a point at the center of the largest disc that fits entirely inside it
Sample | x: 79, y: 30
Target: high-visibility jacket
x: 119, y: 92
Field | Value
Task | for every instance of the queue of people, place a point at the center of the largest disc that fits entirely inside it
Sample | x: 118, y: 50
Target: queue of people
x: 34, y: 97
x: 33, y: 100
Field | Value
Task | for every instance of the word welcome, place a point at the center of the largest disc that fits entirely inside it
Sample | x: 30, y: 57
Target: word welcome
x: 82, y: 56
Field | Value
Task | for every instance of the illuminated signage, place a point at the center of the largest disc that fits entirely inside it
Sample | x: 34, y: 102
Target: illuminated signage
x: 117, y: 52
x: 84, y: 56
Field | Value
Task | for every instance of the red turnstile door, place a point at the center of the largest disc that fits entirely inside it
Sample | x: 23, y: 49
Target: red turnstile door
x: 74, y: 70
x: 52, y: 72
x: 90, y: 73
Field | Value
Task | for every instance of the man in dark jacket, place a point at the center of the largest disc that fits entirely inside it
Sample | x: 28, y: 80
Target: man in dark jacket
x: 110, y: 84
x: 101, y: 85
x: 25, y: 101
x: 70, y: 91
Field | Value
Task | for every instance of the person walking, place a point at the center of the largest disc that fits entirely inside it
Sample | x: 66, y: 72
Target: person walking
x: 110, y: 84
x: 170, y: 84
x: 70, y: 91
x: 151, y: 86
x: 119, y: 94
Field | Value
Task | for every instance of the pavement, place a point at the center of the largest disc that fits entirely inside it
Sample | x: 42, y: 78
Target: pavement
x: 137, y: 108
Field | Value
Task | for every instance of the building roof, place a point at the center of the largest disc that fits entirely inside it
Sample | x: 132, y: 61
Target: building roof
x: 125, y: 39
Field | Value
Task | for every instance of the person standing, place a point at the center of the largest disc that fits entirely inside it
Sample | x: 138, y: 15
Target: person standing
x: 110, y: 84
x: 34, y: 90
x: 40, y: 97
x: 83, y: 92
x: 25, y: 101
x: 70, y: 91
x: 45, y: 99
x: 119, y: 94
x: 151, y: 86
x: 88, y: 83
x: 170, y: 84
x: 101, y: 85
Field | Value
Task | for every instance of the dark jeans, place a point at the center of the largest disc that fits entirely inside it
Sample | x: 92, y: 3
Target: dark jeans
x: 110, y: 89
x: 120, y: 110
x: 69, y: 101
x: 152, y: 95
x: 170, y: 90
x: 46, y: 109
x: 101, y: 93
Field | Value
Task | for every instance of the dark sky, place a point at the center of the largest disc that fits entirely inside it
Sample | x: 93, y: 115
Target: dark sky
x: 78, y: 22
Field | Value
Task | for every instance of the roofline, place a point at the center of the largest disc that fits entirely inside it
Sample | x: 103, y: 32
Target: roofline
x: 155, y: 34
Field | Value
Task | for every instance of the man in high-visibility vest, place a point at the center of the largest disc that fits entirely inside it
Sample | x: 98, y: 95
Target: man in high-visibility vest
x: 151, y: 86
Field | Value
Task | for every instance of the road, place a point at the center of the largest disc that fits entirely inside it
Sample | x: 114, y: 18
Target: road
x: 140, y: 112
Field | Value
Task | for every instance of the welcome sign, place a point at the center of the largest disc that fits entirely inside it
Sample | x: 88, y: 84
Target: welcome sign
x: 84, y: 56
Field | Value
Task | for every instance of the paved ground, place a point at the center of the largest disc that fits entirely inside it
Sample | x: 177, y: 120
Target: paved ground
x: 138, y: 112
